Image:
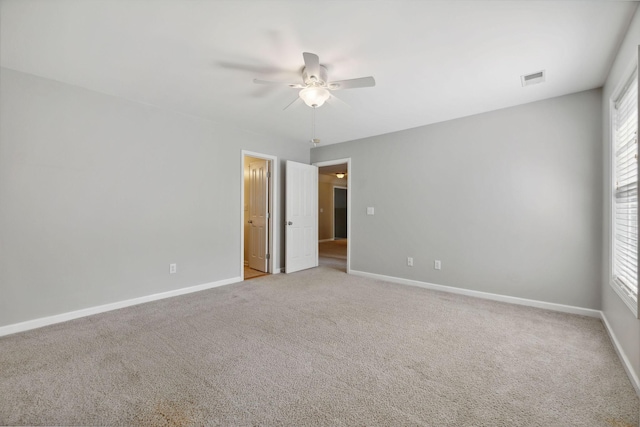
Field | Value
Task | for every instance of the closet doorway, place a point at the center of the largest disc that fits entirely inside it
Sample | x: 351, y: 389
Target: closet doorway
x: 257, y: 215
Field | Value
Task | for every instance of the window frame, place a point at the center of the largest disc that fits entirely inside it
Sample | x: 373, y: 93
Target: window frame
x: 630, y: 300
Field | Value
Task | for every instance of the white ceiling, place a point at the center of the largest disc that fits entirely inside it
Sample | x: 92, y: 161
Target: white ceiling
x: 432, y: 60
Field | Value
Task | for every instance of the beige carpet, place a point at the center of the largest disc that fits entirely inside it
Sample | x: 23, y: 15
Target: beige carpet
x: 317, y: 347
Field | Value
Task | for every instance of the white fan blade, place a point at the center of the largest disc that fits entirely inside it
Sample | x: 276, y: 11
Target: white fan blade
x: 337, y: 101
x: 292, y: 102
x: 267, y: 82
x: 311, y: 64
x: 352, y: 83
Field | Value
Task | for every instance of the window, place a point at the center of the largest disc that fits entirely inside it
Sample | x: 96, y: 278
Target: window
x: 625, y: 204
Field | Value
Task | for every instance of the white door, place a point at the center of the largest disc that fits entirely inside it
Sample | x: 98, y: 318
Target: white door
x: 301, y: 217
x: 258, y: 214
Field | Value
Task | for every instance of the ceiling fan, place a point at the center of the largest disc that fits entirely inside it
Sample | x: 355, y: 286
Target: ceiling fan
x: 315, y: 85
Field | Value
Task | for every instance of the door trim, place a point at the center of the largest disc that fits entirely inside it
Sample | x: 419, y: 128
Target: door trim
x: 349, y: 193
x: 257, y: 225
x: 274, y: 228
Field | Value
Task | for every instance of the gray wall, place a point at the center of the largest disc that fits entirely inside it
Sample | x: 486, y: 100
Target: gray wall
x: 621, y: 320
x: 98, y: 195
x: 510, y: 201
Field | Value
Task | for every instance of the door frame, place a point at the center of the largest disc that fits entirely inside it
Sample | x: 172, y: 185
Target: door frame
x: 273, y: 229
x: 257, y: 224
x: 349, y: 193
x: 333, y: 224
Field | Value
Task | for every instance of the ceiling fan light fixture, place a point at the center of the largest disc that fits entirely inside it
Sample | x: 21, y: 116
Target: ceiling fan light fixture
x: 314, y: 96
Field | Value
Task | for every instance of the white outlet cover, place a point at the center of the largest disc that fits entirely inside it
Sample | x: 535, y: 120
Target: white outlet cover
x: 370, y: 211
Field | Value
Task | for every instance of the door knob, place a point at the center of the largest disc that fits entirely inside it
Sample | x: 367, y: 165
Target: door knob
x: 250, y: 221
x: 289, y: 223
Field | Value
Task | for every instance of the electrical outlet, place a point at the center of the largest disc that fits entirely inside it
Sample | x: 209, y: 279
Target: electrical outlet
x: 173, y: 268
x: 410, y: 262
x: 437, y: 264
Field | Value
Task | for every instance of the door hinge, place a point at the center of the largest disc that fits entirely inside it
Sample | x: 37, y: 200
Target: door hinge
x: 268, y: 256
x: 268, y: 174
x: 268, y: 215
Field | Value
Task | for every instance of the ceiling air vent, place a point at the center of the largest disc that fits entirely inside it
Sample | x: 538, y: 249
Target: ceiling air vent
x: 533, y: 78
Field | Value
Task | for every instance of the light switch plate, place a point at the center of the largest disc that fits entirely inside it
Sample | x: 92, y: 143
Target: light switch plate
x: 370, y: 211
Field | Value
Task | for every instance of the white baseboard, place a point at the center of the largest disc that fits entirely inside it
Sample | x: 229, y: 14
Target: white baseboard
x: 635, y: 381
x: 58, y: 318
x: 485, y: 295
x: 325, y: 240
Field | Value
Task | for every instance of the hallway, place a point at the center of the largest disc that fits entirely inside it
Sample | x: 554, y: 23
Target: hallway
x: 333, y: 254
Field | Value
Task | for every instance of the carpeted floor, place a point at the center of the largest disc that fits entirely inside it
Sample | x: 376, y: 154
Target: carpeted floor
x: 317, y: 347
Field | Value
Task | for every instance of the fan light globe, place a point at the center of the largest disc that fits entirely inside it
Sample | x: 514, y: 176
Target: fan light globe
x: 314, y: 96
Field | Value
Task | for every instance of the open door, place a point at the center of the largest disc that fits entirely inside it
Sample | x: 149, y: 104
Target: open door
x: 258, y: 214
x: 301, y: 248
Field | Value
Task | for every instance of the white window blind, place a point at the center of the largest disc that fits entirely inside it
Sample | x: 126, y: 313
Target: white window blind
x: 625, y: 134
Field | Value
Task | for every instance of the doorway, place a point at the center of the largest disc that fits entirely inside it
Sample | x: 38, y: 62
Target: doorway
x: 334, y: 214
x: 339, y: 213
x: 258, y: 236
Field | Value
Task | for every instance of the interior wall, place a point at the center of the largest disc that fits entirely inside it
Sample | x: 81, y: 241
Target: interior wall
x: 98, y: 195
x: 325, y: 204
x: 621, y: 320
x: 510, y: 201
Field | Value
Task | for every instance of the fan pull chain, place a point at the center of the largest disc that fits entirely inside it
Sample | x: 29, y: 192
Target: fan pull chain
x: 314, y: 140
